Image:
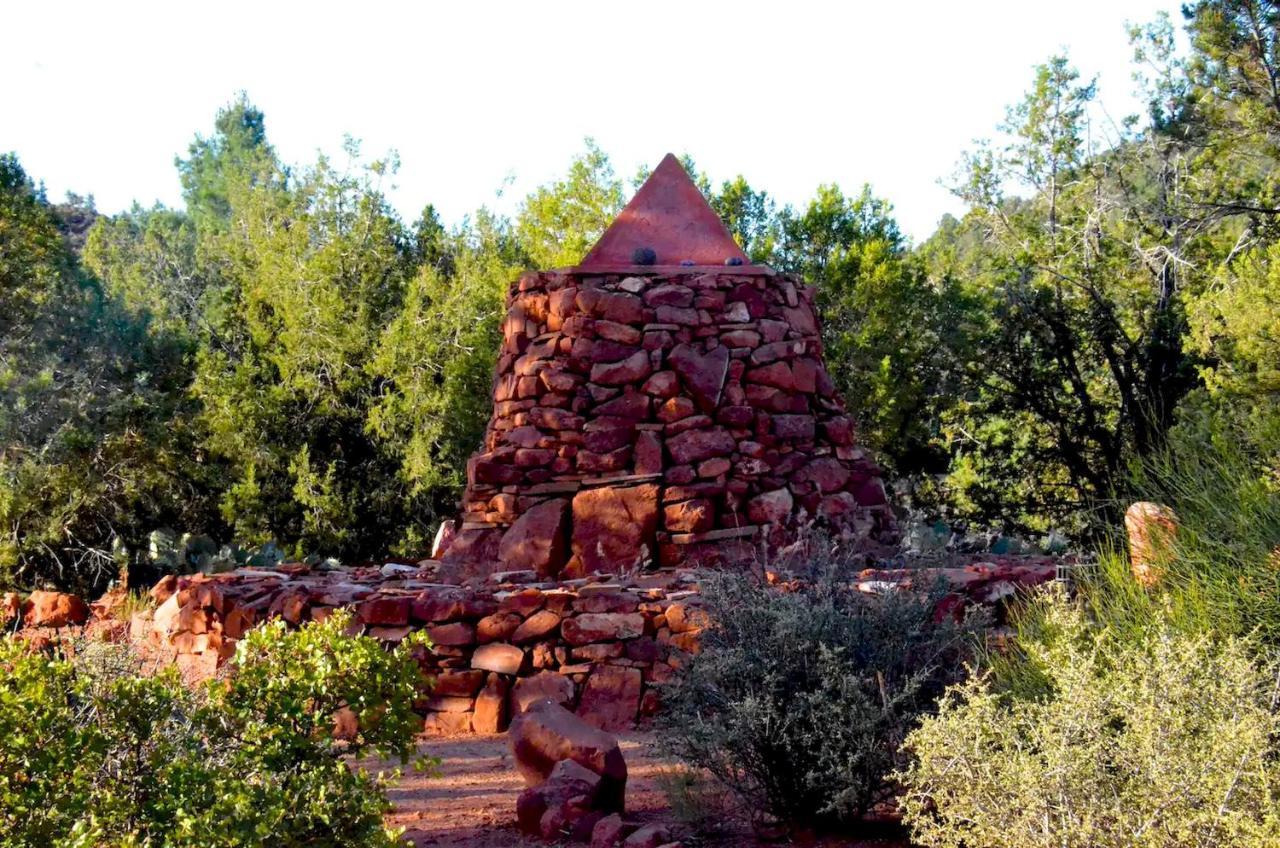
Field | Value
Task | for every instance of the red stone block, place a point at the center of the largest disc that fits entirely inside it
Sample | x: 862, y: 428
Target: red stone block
x: 385, y: 611
x: 611, y: 698
x: 613, y: 527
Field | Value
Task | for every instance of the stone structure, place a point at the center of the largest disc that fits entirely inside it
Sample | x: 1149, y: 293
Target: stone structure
x: 601, y: 648
x: 664, y: 402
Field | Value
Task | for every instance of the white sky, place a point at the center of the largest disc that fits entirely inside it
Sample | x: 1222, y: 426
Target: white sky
x: 98, y: 97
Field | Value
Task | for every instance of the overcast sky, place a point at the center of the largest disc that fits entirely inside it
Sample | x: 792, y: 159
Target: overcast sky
x: 99, y: 97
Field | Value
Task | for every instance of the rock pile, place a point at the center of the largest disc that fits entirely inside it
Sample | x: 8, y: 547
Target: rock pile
x: 575, y: 772
x: 678, y: 414
x: 577, y: 781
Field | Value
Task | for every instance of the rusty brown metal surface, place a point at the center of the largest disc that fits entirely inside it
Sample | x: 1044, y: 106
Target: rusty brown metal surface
x: 669, y: 217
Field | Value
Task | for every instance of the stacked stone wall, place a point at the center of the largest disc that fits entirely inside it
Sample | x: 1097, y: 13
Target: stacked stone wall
x: 603, y: 646
x: 665, y: 418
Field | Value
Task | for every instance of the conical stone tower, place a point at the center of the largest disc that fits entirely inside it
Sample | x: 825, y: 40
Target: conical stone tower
x: 663, y: 403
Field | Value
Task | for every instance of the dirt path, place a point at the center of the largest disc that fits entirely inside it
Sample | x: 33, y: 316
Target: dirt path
x: 471, y: 802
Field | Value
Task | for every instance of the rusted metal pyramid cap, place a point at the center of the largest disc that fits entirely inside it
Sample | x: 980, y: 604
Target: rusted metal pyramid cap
x: 668, y: 222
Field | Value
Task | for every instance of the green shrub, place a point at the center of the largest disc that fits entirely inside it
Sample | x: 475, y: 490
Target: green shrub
x: 799, y: 700
x: 94, y: 754
x: 1162, y: 739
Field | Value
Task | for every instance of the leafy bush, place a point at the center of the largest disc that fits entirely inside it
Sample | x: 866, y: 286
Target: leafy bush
x: 1162, y: 740
x: 94, y: 754
x: 799, y: 700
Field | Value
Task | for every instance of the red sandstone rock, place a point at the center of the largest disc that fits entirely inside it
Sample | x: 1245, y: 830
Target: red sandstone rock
x: 455, y: 634
x: 663, y: 384
x: 682, y: 617
x: 676, y: 409
x: 10, y: 610
x: 613, y: 527
x: 524, y: 602
x: 771, y: 507
x: 692, y: 516
x: 490, y: 715
x: 599, y: 652
x: 610, y: 831
x: 1152, y: 529
x: 539, y: 539
x: 611, y: 698
x: 545, y: 733
x: 166, y: 586
x: 473, y: 545
x: 438, y: 605
x: 500, y: 657
x: 446, y: 724
x: 649, y: 836
x: 697, y: 445
x: 461, y: 683
x: 622, y: 308
x: 827, y: 473
x: 777, y: 375
x: 668, y: 295
x: 703, y: 374
x: 543, y: 685
x: 540, y: 625
x: 648, y: 453
x: 794, y: 426
x: 606, y: 601
x: 838, y: 430
x: 553, y: 808
x: 630, y: 370
x: 497, y: 627
x: 601, y: 627
x: 629, y: 405
x: 385, y: 611
x: 449, y: 704
x: 54, y: 609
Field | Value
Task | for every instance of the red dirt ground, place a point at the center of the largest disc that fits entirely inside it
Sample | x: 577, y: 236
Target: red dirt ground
x: 471, y: 802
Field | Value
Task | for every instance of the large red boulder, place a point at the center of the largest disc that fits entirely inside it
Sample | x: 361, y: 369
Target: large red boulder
x: 614, y: 527
x: 546, y: 733
x: 538, y: 540
x: 54, y: 609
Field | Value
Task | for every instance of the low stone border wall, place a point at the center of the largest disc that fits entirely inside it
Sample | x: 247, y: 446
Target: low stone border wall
x: 602, y: 646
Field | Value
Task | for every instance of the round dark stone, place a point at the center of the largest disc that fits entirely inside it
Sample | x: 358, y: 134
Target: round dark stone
x: 644, y: 256
x: 733, y: 260
x: 686, y: 262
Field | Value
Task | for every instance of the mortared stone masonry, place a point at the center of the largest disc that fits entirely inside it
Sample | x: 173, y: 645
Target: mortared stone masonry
x: 664, y: 403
